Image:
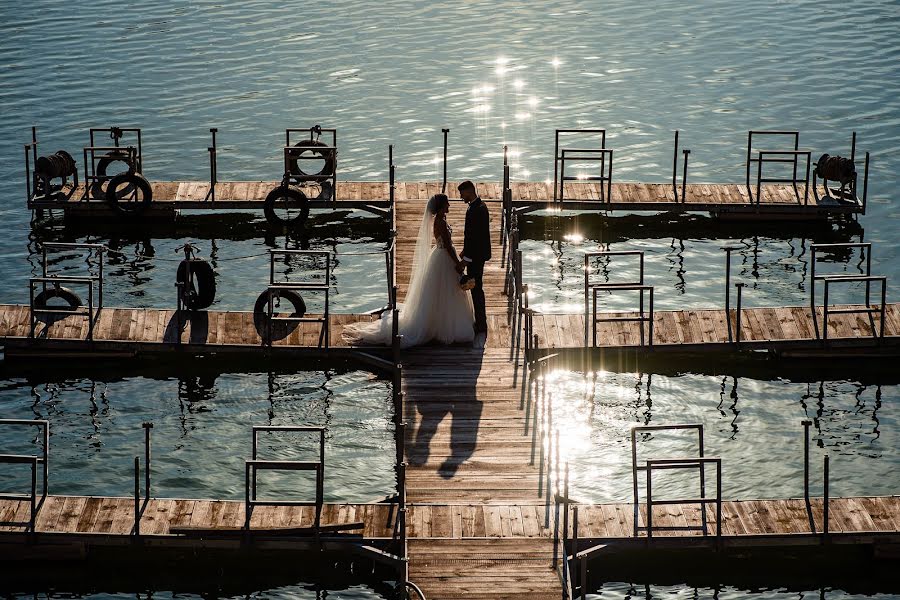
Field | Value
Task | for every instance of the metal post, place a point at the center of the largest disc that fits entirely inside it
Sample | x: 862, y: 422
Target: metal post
x: 826, y: 493
x: 137, y: 496
x: 102, y: 252
x: 444, y: 181
x: 718, y: 499
x: 728, y: 291
x: 759, y: 179
x: 90, y: 311
x: 586, y: 282
x: 247, y: 505
x: 33, y: 495
x: 675, y: 167
x: 27, y: 176
x: 634, y: 480
x: 740, y: 287
x: 865, y: 184
x: 806, y: 423
x: 47, y: 459
x: 651, y: 314
x: 213, y: 165
x: 147, y: 425
x: 684, y: 176
x: 555, y: 164
x: 565, y: 499
x: 649, y: 502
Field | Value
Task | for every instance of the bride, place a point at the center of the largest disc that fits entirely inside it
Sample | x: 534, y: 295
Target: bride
x: 436, y: 308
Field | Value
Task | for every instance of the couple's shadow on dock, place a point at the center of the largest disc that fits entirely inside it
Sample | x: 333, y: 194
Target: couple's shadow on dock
x: 447, y: 407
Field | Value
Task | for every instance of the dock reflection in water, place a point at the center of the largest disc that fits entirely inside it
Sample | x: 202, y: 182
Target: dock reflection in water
x: 754, y: 425
x: 202, y: 430
x: 683, y: 257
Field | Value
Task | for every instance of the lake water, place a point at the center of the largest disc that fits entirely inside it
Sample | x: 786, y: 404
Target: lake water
x: 495, y: 73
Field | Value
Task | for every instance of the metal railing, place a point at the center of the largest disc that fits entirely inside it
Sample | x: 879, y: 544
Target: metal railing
x: 690, y: 463
x: 47, y: 279
x: 253, y: 466
x: 275, y: 287
x: 868, y: 310
x: 593, y: 289
x: 557, y: 157
x: 603, y: 156
x: 33, y: 461
x: 786, y: 156
x: 829, y: 279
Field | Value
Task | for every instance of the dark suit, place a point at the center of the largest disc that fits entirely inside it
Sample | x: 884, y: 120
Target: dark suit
x: 477, y: 248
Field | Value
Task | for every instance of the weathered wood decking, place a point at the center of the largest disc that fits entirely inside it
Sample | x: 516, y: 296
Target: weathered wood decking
x: 148, y: 330
x: 785, y: 328
x: 878, y: 516
x: 481, y: 519
x: 778, y: 200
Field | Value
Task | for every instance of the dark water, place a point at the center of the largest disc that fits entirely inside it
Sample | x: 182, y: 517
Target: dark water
x: 495, y: 73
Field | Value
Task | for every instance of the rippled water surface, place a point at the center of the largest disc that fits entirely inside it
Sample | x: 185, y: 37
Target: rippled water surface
x: 495, y: 73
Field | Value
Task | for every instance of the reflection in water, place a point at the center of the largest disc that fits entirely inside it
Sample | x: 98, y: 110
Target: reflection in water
x: 755, y: 588
x: 733, y: 397
x: 201, y: 429
x: 760, y: 440
x: 774, y: 266
x: 140, y: 271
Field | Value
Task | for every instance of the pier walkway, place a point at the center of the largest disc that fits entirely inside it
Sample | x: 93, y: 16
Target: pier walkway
x: 723, y: 199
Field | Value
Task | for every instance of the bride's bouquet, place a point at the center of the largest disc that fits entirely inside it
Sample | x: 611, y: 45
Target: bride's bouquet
x: 466, y: 283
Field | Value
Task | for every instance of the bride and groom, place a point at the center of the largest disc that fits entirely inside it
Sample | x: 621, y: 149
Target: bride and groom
x: 437, y: 308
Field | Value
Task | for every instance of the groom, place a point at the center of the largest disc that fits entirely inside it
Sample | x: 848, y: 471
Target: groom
x: 476, y: 251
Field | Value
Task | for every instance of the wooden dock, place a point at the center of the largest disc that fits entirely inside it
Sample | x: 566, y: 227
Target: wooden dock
x: 142, y: 331
x: 482, y: 518
x: 778, y: 329
x: 778, y: 201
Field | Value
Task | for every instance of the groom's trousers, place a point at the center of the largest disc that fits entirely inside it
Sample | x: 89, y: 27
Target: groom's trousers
x: 476, y: 270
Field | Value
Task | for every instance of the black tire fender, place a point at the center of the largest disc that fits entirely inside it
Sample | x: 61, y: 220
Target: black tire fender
x: 116, y: 196
x: 281, y: 329
x: 41, y: 301
x: 292, y: 195
x: 98, y: 188
x: 203, y: 283
x: 315, y: 147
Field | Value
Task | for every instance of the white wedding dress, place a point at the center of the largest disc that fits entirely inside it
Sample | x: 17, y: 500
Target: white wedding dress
x: 435, y: 308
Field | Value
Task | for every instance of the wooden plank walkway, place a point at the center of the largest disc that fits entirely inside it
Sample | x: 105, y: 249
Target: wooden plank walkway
x: 877, y: 517
x: 776, y: 328
x: 474, y: 471
x: 114, y: 516
x: 148, y: 330
x: 720, y: 198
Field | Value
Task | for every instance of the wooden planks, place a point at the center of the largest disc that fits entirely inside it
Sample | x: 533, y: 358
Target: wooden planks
x: 778, y: 328
x: 148, y: 329
x: 715, y: 197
